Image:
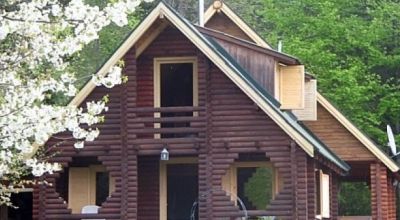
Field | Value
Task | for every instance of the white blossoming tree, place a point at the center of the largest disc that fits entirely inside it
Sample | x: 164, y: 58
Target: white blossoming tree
x: 37, y: 37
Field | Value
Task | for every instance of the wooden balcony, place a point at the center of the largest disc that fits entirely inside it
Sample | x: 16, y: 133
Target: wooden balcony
x: 180, y: 129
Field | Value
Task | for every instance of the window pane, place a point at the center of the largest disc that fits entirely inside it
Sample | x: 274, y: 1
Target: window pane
x: 102, y: 187
x: 255, y: 187
x: 176, y: 84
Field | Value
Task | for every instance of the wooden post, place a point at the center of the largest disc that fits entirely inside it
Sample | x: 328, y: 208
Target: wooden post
x: 311, y: 188
x: 129, y: 179
x: 334, y: 194
x: 379, y: 191
x: 3, y: 212
x: 293, y: 163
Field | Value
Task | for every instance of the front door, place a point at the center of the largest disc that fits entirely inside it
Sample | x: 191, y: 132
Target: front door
x: 180, y: 191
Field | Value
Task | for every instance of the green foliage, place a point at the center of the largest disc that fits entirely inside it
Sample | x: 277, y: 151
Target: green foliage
x: 258, y: 188
x: 354, y: 199
x: 351, y: 46
x: 96, y: 53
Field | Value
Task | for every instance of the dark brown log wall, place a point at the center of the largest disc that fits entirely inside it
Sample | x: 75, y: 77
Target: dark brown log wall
x: 224, y: 24
x: 334, y: 194
x: 148, y: 201
x: 382, y: 193
x: 238, y: 126
x: 107, y: 148
x: 311, y: 189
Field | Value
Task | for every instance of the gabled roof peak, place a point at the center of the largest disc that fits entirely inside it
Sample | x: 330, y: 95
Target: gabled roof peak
x: 236, y: 19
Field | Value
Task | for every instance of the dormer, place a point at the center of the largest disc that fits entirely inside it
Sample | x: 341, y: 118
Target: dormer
x: 288, y: 82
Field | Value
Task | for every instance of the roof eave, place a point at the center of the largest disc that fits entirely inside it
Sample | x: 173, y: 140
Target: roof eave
x: 369, y: 144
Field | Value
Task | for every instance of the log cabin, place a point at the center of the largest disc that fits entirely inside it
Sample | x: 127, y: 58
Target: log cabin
x: 212, y: 124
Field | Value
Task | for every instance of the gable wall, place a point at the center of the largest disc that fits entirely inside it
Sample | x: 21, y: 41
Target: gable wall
x: 220, y: 22
x: 234, y: 125
x: 338, y: 138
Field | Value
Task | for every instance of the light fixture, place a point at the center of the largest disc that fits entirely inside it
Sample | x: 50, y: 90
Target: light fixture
x: 164, y: 154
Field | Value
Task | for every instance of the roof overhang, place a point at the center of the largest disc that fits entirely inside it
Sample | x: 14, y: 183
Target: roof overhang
x: 279, y: 56
x: 210, y: 12
x: 369, y: 144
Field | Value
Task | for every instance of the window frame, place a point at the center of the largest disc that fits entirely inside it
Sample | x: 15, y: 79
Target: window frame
x: 163, y: 184
x: 324, y: 189
x: 91, y: 171
x: 229, y: 180
x: 174, y: 60
x: 157, y: 82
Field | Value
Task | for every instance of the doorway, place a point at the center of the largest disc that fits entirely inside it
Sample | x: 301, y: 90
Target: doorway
x: 175, y: 85
x: 23, y: 201
x: 178, y: 189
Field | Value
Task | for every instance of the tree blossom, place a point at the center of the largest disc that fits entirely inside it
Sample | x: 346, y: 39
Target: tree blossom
x: 36, y: 39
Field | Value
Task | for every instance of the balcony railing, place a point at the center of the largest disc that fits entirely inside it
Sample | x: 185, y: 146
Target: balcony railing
x: 178, y: 127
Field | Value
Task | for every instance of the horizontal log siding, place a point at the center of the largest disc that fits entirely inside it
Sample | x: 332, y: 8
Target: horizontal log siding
x: 238, y: 126
x: 338, y: 138
x: 311, y: 189
x: 106, y: 148
x: 382, y: 193
x: 392, y: 199
x: 148, y: 201
x: 334, y: 194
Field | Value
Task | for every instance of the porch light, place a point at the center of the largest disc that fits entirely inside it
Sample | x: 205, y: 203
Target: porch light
x: 164, y: 154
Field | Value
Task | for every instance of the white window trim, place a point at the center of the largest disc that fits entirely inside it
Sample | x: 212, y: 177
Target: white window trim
x: 324, y: 186
x: 157, y: 82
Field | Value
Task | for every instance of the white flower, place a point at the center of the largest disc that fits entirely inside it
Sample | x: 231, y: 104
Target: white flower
x: 95, y: 108
x: 79, y: 145
x: 26, y: 120
x: 3, y: 33
x: 92, y: 135
x: 79, y: 133
x: 55, y: 10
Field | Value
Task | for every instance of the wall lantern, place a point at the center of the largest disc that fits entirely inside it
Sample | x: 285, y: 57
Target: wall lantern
x: 164, y: 154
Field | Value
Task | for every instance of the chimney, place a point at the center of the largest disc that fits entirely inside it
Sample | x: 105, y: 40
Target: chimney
x: 280, y: 46
x: 201, y: 13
